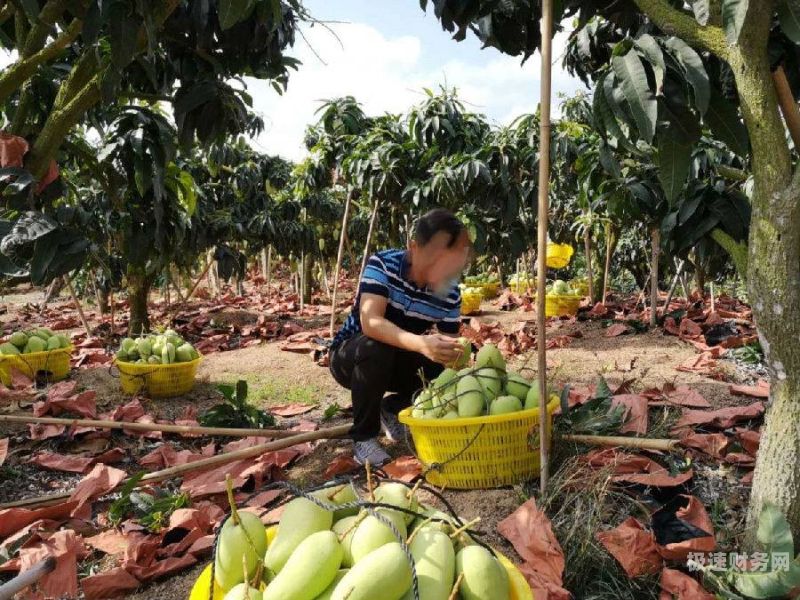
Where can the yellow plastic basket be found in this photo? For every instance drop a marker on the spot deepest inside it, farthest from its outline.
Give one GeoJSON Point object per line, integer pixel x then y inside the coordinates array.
{"type": "Point", "coordinates": [158, 381]}
{"type": "Point", "coordinates": [479, 452]}
{"type": "Point", "coordinates": [561, 306]}
{"type": "Point", "coordinates": [520, 286]}
{"type": "Point", "coordinates": [47, 366]}
{"type": "Point", "coordinates": [471, 303]}
{"type": "Point", "coordinates": [490, 290]}
{"type": "Point", "coordinates": [558, 255]}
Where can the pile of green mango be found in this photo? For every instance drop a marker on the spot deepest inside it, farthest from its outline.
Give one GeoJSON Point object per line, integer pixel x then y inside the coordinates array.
{"type": "Point", "coordinates": [349, 554]}
{"type": "Point", "coordinates": [561, 288]}
{"type": "Point", "coordinates": [482, 279]}
{"type": "Point", "coordinates": [40, 339]}
{"type": "Point", "coordinates": [156, 349]}
{"type": "Point", "coordinates": [485, 388]}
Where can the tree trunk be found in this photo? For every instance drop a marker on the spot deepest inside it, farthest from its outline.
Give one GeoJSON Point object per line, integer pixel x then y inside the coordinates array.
{"type": "Point", "coordinates": [587, 245]}
{"type": "Point", "coordinates": [105, 305]}
{"type": "Point", "coordinates": [611, 244]}
{"type": "Point", "coordinates": [700, 278]}
{"type": "Point", "coordinates": [773, 274]}
{"type": "Point", "coordinates": [138, 293]}
{"type": "Point", "coordinates": [308, 277]}
{"type": "Point", "coordinates": [655, 234]}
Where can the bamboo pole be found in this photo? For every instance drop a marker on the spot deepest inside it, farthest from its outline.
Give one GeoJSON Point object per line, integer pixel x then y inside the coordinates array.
{"type": "Point", "coordinates": [111, 306]}
{"type": "Point", "coordinates": [666, 445]}
{"type": "Point", "coordinates": [269, 271]}
{"type": "Point", "coordinates": [202, 464]}
{"type": "Point", "coordinates": [9, 589]}
{"type": "Point", "coordinates": [655, 234]}
{"type": "Point", "coordinates": [370, 231]}
{"type": "Point", "coordinates": [674, 284]}
{"type": "Point", "coordinates": [78, 306]}
{"type": "Point", "coordinates": [206, 270]}
{"type": "Point", "coordinates": [339, 255]}
{"type": "Point", "coordinates": [544, 190]}
{"type": "Point", "coordinates": [791, 113]}
{"type": "Point", "coordinates": [147, 427]}
{"type": "Point", "coordinates": [713, 299]}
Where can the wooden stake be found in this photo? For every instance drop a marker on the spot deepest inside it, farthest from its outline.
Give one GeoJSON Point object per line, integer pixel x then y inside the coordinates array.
{"type": "Point", "coordinates": [269, 271]}
{"type": "Point", "coordinates": [791, 113]}
{"type": "Point", "coordinates": [372, 219]}
{"type": "Point", "coordinates": [546, 24]}
{"type": "Point", "coordinates": [339, 255]}
{"type": "Point", "coordinates": [163, 427]}
{"type": "Point", "coordinates": [199, 465]}
{"type": "Point", "coordinates": [78, 306]}
{"type": "Point", "coordinates": [655, 234]}
{"type": "Point", "coordinates": [665, 445]}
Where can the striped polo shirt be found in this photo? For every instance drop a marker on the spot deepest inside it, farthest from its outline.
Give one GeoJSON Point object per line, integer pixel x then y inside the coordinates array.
{"type": "Point", "coordinates": [409, 306]}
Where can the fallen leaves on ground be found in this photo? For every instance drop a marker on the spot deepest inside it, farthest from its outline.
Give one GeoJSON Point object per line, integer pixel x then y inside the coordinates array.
{"type": "Point", "coordinates": [721, 418]}
{"type": "Point", "coordinates": [339, 465]}
{"type": "Point", "coordinates": [760, 390]}
{"type": "Point", "coordinates": [404, 468]}
{"type": "Point", "coordinates": [66, 547]}
{"type": "Point", "coordinates": [681, 529]}
{"type": "Point", "coordinates": [635, 417]}
{"type": "Point", "coordinates": [634, 547]}
{"type": "Point", "coordinates": [291, 410]}
{"type": "Point", "coordinates": [634, 468]}
{"type": "Point", "coordinates": [530, 532]}
{"type": "Point", "coordinates": [100, 481]}
{"type": "Point", "coordinates": [616, 330]}
{"type": "Point", "coordinates": [676, 585]}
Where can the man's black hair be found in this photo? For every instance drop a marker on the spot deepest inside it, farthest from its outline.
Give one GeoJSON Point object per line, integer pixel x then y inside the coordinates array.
{"type": "Point", "coordinates": [434, 221]}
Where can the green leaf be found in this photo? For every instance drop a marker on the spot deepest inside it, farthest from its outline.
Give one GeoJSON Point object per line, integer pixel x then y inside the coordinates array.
{"type": "Point", "coordinates": [760, 585]}
{"type": "Point", "coordinates": [241, 390]}
{"type": "Point", "coordinates": [700, 10]}
{"type": "Point", "coordinates": [694, 70]}
{"type": "Point", "coordinates": [789, 18]}
{"type": "Point", "coordinates": [630, 71]}
{"type": "Point", "coordinates": [652, 52]}
{"type": "Point", "coordinates": [678, 120]}
{"type": "Point", "coordinates": [674, 159]}
{"type": "Point", "coordinates": [733, 15]}
{"type": "Point", "coordinates": [31, 9]}
{"type": "Point", "coordinates": [723, 120]}
{"type": "Point", "coordinates": [233, 11]}
{"type": "Point", "coordinates": [123, 30]}
{"type": "Point", "coordinates": [773, 531]}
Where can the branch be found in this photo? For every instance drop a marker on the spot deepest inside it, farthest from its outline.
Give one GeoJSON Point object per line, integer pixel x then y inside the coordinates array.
{"type": "Point", "coordinates": [6, 13]}
{"type": "Point", "coordinates": [732, 173]}
{"type": "Point", "coordinates": [147, 97]}
{"type": "Point", "coordinates": [681, 24]}
{"type": "Point", "coordinates": [46, 20]}
{"type": "Point", "coordinates": [736, 250]}
{"type": "Point", "coordinates": [18, 73]}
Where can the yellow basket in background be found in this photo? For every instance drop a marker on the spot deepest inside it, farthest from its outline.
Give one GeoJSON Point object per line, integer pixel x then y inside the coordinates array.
{"type": "Point", "coordinates": [490, 290]}
{"type": "Point", "coordinates": [158, 381]}
{"type": "Point", "coordinates": [520, 285]}
{"type": "Point", "coordinates": [479, 452]}
{"type": "Point", "coordinates": [581, 286]}
{"type": "Point", "coordinates": [558, 255]}
{"type": "Point", "coordinates": [471, 303]}
{"type": "Point", "coordinates": [561, 306]}
{"type": "Point", "coordinates": [50, 365]}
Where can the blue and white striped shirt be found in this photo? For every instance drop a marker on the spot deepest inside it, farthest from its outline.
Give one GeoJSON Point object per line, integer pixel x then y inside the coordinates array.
{"type": "Point", "coordinates": [410, 307]}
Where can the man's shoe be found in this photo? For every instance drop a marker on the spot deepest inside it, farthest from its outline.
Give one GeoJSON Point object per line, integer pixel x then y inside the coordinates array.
{"type": "Point", "coordinates": [370, 451]}
{"type": "Point", "coordinates": [392, 427]}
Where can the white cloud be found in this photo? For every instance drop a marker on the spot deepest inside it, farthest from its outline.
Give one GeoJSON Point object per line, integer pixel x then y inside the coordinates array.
{"type": "Point", "coordinates": [387, 75]}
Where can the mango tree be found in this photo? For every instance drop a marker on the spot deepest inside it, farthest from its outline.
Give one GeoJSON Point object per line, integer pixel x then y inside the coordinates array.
{"type": "Point", "coordinates": [739, 42]}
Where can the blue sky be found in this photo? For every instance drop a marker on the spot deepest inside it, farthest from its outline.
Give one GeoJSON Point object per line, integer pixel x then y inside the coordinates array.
{"type": "Point", "coordinates": [386, 51]}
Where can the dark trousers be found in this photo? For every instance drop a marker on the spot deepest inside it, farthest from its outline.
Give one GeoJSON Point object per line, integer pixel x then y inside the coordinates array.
{"type": "Point", "coordinates": [369, 369]}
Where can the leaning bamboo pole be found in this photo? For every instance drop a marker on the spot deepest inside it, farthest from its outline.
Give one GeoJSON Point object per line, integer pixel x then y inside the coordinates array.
{"type": "Point", "coordinates": [655, 234]}
{"type": "Point", "coordinates": [202, 464]}
{"type": "Point", "coordinates": [78, 306]}
{"type": "Point", "coordinates": [789, 108]}
{"type": "Point", "coordinates": [339, 256]}
{"type": "Point", "coordinates": [149, 427]}
{"type": "Point", "coordinates": [370, 232]}
{"type": "Point", "coordinates": [26, 579]}
{"type": "Point", "coordinates": [665, 445]}
{"type": "Point", "coordinates": [544, 190]}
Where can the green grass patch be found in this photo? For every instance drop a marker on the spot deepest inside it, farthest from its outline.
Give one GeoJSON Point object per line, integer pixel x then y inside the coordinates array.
{"type": "Point", "coordinates": [267, 390]}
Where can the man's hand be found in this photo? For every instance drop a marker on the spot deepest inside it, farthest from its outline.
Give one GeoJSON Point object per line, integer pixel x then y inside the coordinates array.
{"type": "Point", "coordinates": [439, 348]}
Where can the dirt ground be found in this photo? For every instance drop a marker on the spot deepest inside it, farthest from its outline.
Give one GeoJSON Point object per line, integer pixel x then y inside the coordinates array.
{"type": "Point", "coordinates": [276, 376]}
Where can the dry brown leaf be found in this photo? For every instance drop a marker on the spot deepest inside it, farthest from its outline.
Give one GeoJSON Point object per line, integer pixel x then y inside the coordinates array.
{"type": "Point", "coordinates": [634, 548]}
{"type": "Point", "coordinates": [113, 583]}
{"type": "Point", "coordinates": [676, 585]}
